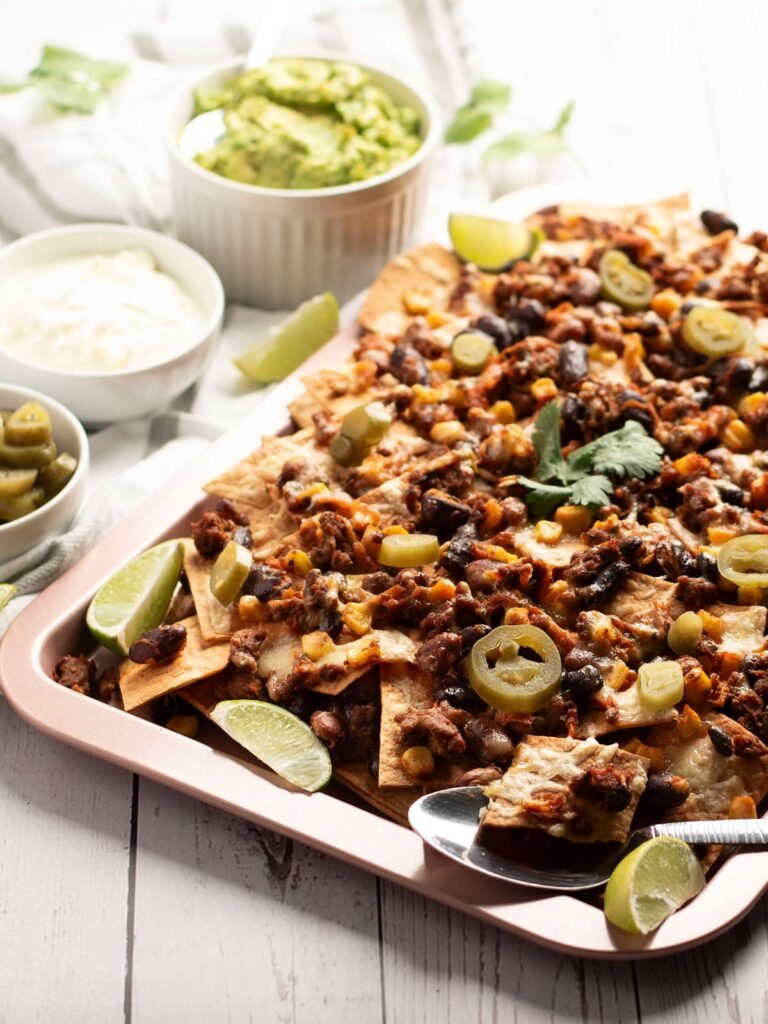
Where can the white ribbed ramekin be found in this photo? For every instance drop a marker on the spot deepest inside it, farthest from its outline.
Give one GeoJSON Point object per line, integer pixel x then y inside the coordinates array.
{"type": "Point", "coordinates": [274, 248]}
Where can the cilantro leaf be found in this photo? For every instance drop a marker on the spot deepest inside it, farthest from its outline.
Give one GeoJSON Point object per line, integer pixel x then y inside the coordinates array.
{"type": "Point", "coordinates": [70, 80]}
{"type": "Point", "coordinates": [544, 145]}
{"type": "Point", "coordinates": [592, 491]}
{"type": "Point", "coordinates": [542, 498]}
{"type": "Point", "coordinates": [486, 99]}
{"type": "Point", "coordinates": [546, 442]}
{"type": "Point", "coordinates": [627, 452]}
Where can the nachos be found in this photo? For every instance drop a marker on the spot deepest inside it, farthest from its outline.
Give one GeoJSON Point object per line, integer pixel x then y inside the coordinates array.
{"type": "Point", "coordinates": [520, 540]}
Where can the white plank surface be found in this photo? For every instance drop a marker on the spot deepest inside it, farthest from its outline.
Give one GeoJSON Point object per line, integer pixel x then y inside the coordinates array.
{"type": "Point", "coordinates": [204, 918]}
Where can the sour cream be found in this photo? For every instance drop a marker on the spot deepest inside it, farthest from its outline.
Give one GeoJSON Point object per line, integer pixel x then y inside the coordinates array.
{"type": "Point", "coordinates": [96, 313]}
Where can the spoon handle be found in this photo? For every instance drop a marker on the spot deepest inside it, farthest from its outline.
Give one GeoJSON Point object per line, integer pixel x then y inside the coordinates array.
{"type": "Point", "coordinates": [268, 32]}
{"type": "Point", "coordinates": [753, 831]}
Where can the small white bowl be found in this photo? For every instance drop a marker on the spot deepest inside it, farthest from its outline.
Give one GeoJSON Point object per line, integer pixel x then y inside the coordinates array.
{"type": "Point", "coordinates": [56, 515]}
{"type": "Point", "coordinates": [275, 247]}
{"type": "Point", "coordinates": [99, 398]}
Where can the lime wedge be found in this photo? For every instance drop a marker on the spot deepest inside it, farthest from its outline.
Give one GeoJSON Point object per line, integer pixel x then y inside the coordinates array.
{"type": "Point", "coordinates": [292, 341]}
{"type": "Point", "coordinates": [651, 883]}
{"type": "Point", "coordinates": [136, 598]}
{"type": "Point", "coordinates": [490, 244]}
{"type": "Point", "coordinates": [7, 590]}
{"type": "Point", "coordinates": [278, 738]}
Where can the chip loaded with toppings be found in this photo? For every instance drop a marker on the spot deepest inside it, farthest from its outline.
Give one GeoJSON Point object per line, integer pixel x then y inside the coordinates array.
{"type": "Point", "coordinates": [520, 540]}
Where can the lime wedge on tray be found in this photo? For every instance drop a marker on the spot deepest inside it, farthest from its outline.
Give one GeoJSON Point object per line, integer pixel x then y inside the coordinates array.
{"type": "Point", "coordinates": [489, 243]}
{"type": "Point", "coordinates": [278, 738]}
{"type": "Point", "coordinates": [651, 883]}
{"type": "Point", "coordinates": [292, 341]}
{"type": "Point", "coordinates": [136, 598]}
{"type": "Point", "coordinates": [7, 590]}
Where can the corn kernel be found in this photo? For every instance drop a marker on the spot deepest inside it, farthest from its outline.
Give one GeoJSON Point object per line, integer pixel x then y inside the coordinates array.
{"type": "Point", "coordinates": [447, 432]}
{"type": "Point", "coordinates": [692, 464]}
{"type": "Point", "coordinates": [750, 595]}
{"type": "Point", "coordinates": [617, 677]}
{"type": "Point", "coordinates": [498, 554]}
{"type": "Point", "coordinates": [696, 685]}
{"type": "Point", "coordinates": [751, 403]}
{"type": "Point", "coordinates": [250, 609]}
{"type": "Point", "coordinates": [418, 762]}
{"type": "Point", "coordinates": [298, 562]}
{"type": "Point", "coordinates": [516, 617]}
{"type": "Point", "coordinates": [416, 302]}
{"type": "Point", "coordinates": [660, 514]}
{"type": "Point", "coordinates": [758, 491]}
{"type": "Point", "coordinates": [739, 437]}
{"type": "Point", "coordinates": [720, 534]}
{"type": "Point", "coordinates": [634, 351]}
{"type": "Point", "coordinates": [442, 366]}
{"type": "Point", "coordinates": [185, 725]}
{"type": "Point", "coordinates": [423, 395]}
{"type": "Point", "coordinates": [389, 531]}
{"type": "Point", "coordinates": [654, 754]}
{"type": "Point", "coordinates": [438, 318]}
{"type": "Point", "coordinates": [602, 355]}
{"type": "Point", "coordinates": [688, 722]}
{"type": "Point", "coordinates": [492, 515]}
{"type": "Point", "coordinates": [666, 303]}
{"type": "Point", "coordinates": [311, 490]}
{"type": "Point", "coordinates": [441, 590]}
{"type": "Point", "coordinates": [742, 807]}
{"type": "Point", "coordinates": [316, 644]}
{"type": "Point", "coordinates": [544, 389]}
{"type": "Point", "coordinates": [503, 411]}
{"type": "Point", "coordinates": [730, 662]}
{"type": "Point", "coordinates": [573, 518]}
{"type": "Point", "coordinates": [547, 532]}
{"type": "Point", "coordinates": [357, 616]}
{"type": "Point", "coordinates": [713, 624]}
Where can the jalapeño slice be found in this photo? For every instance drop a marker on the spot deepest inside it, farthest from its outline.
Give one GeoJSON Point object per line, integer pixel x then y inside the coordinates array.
{"type": "Point", "coordinates": [714, 332]}
{"type": "Point", "coordinates": [507, 679]}
{"type": "Point", "coordinates": [623, 282]}
{"type": "Point", "coordinates": [471, 350]}
{"type": "Point", "coordinates": [744, 560]}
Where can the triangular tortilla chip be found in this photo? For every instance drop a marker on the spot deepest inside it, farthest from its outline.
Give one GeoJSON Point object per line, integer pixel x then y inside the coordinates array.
{"type": "Point", "coordinates": [430, 270]}
{"type": "Point", "coordinates": [403, 687]}
{"type": "Point", "coordinates": [648, 600]}
{"type": "Point", "coordinates": [394, 803]}
{"type": "Point", "coordinates": [334, 671]}
{"type": "Point", "coordinates": [216, 621]}
{"type": "Point", "coordinates": [197, 660]}
{"type": "Point", "coordinates": [714, 779]}
{"type": "Point", "coordinates": [624, 712]}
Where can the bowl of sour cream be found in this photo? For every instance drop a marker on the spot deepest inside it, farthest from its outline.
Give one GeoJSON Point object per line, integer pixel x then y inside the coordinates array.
{"type": "Point", "coordinates": [111, 320]}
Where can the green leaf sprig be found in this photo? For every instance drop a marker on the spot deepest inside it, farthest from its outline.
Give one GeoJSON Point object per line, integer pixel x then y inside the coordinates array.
{"type": "Point", "coordinates": [487, 99]}
{"type": "Point", "coordinates": [583, 478]}
{"type": "Point", "coordinates": [544, 145]}
{"type": "Point", "coordinates": [69, 80]}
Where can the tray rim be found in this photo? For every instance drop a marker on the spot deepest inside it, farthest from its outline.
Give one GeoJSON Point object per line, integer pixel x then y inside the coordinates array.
{"type": "Point", "coordinates": [354, 834]}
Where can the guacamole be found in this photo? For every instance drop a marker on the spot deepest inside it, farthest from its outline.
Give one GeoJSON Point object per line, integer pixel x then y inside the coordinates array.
{"type": "Point", "coordinates": [299, 123]}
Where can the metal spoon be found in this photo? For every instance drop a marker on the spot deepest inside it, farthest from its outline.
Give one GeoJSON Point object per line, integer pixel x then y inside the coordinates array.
{"type": "Point", "coordinates": [205, 131]}
{"type": "Point", "coordinates": [448, 821]}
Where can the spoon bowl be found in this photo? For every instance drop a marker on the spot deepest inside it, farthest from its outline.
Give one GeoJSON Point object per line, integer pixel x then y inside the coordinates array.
{"type": "Point", "coordinates": [448, 821]}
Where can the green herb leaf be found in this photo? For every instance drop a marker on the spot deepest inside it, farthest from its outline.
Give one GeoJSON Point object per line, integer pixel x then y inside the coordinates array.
{"type": "Point", "coordinates": [542, 498]}
{"type": "Point", "coordinates": [8, 87]}
{"type": "Point", "coordinates": [543, 145]}
{"type": "Point", "coordinates": [467, 124]}
{"type": "Point", "coordinates": [550, 463]}
{"type": "Point", "coordinates": [71, 80]}
{"type": "Point", "coordinates": [592, 491]}
{"type": "Point", "coordinates": [492, 95]}
{"type": "Point", "coordinates": [487, 99]}
{"type": "Point", "coordinates": [629, 451]}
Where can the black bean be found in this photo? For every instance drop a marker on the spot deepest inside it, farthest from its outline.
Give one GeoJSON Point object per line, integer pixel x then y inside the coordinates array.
{"type": "Point", "coordinates": [729, 492]}
{"type": "Point", "coordinates": [721, 741]}
{"type": "Point", "coordinates": [242, 535]}
{"type": "Point", "coordinates": [495, 327]}
{"type": "Point", "coordinates": [666, 789]}
{"type": "Point", "coordinates": [532, 314]}
{"type": "Point", "coordinates": [572, 361]}
{"type": "Point", "coordinates": [688, 306]}
{"type": "Point", "coordinates": [458, 696]}
{"type": "Point", "coordinates": [263, 582]}
{"type": "Point", "coordinates": [759, 378]}
{"type": "Point", "coordinates": [460, 552]}
{"type": "Point", "coordinates": [471, 634]}
{"type": "Point", "coordinates": [639, 415]}
{"type": "Point", "coordinates": [715, 222]}
{"type": "Point", "coordinates": [618, 799]}
{"type": "Point", "coordinates": [706, 567]}
{"type": "Point", "coordinates": [582, 682]}
{"type": "Point", "coordinates": [442, 512]}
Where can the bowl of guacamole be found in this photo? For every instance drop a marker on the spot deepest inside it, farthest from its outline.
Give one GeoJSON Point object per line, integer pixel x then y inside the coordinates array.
{"type": "Point", "coordinates": [303, 123]}
{"type": "Point", "coordinates": [318, 180]}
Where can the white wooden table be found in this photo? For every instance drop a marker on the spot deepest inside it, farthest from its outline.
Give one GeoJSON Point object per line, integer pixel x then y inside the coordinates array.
{"type": "Point", "coordinates": [124, 901]}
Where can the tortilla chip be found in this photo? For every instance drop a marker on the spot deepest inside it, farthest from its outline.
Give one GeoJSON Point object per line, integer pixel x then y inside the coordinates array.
{"type": "Point", "coordinates": [430, 269]}
{"type": "Point", "coordinates": [197, 660]}
{"type": "Point", "coordinates": [403, 687]}
{"type": "Point", "coordinates": [647, 600]}
{"type": "Point", "coordinates": [353, 659]}
{"type": "Point", "coordinates": [394, 803]}
{"type": "Point", "coordinates": [202, 696]}
{"type": "Point", "coordinates": [558, 556]}
{"type": "Point", "coordinates": [216, 621]}
{"type": "Point", "coordinates": [536, 791]}
{"type": "Point", "coordinates": [714, 779]}
{"type": "Point", "coordinates": [303, 408]}
{"type": "Point", "coordinates": [743, 627]}
{"type": "Point", "coordinates": [254, 479]}
{"type": "Point", "coordinates": [624, 711]}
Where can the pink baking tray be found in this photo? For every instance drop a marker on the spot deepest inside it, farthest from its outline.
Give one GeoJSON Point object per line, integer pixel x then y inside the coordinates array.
{"type": "Point", "coordinates": [333, 822]}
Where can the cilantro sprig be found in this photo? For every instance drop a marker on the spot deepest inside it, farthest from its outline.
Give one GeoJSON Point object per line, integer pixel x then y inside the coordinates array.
{"type": "Point", "coordinates": [69, 80]}
{"type": "Point", "coordinates": [486, 99]}
{"type": "Point", "coordinates": [584, 478]}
